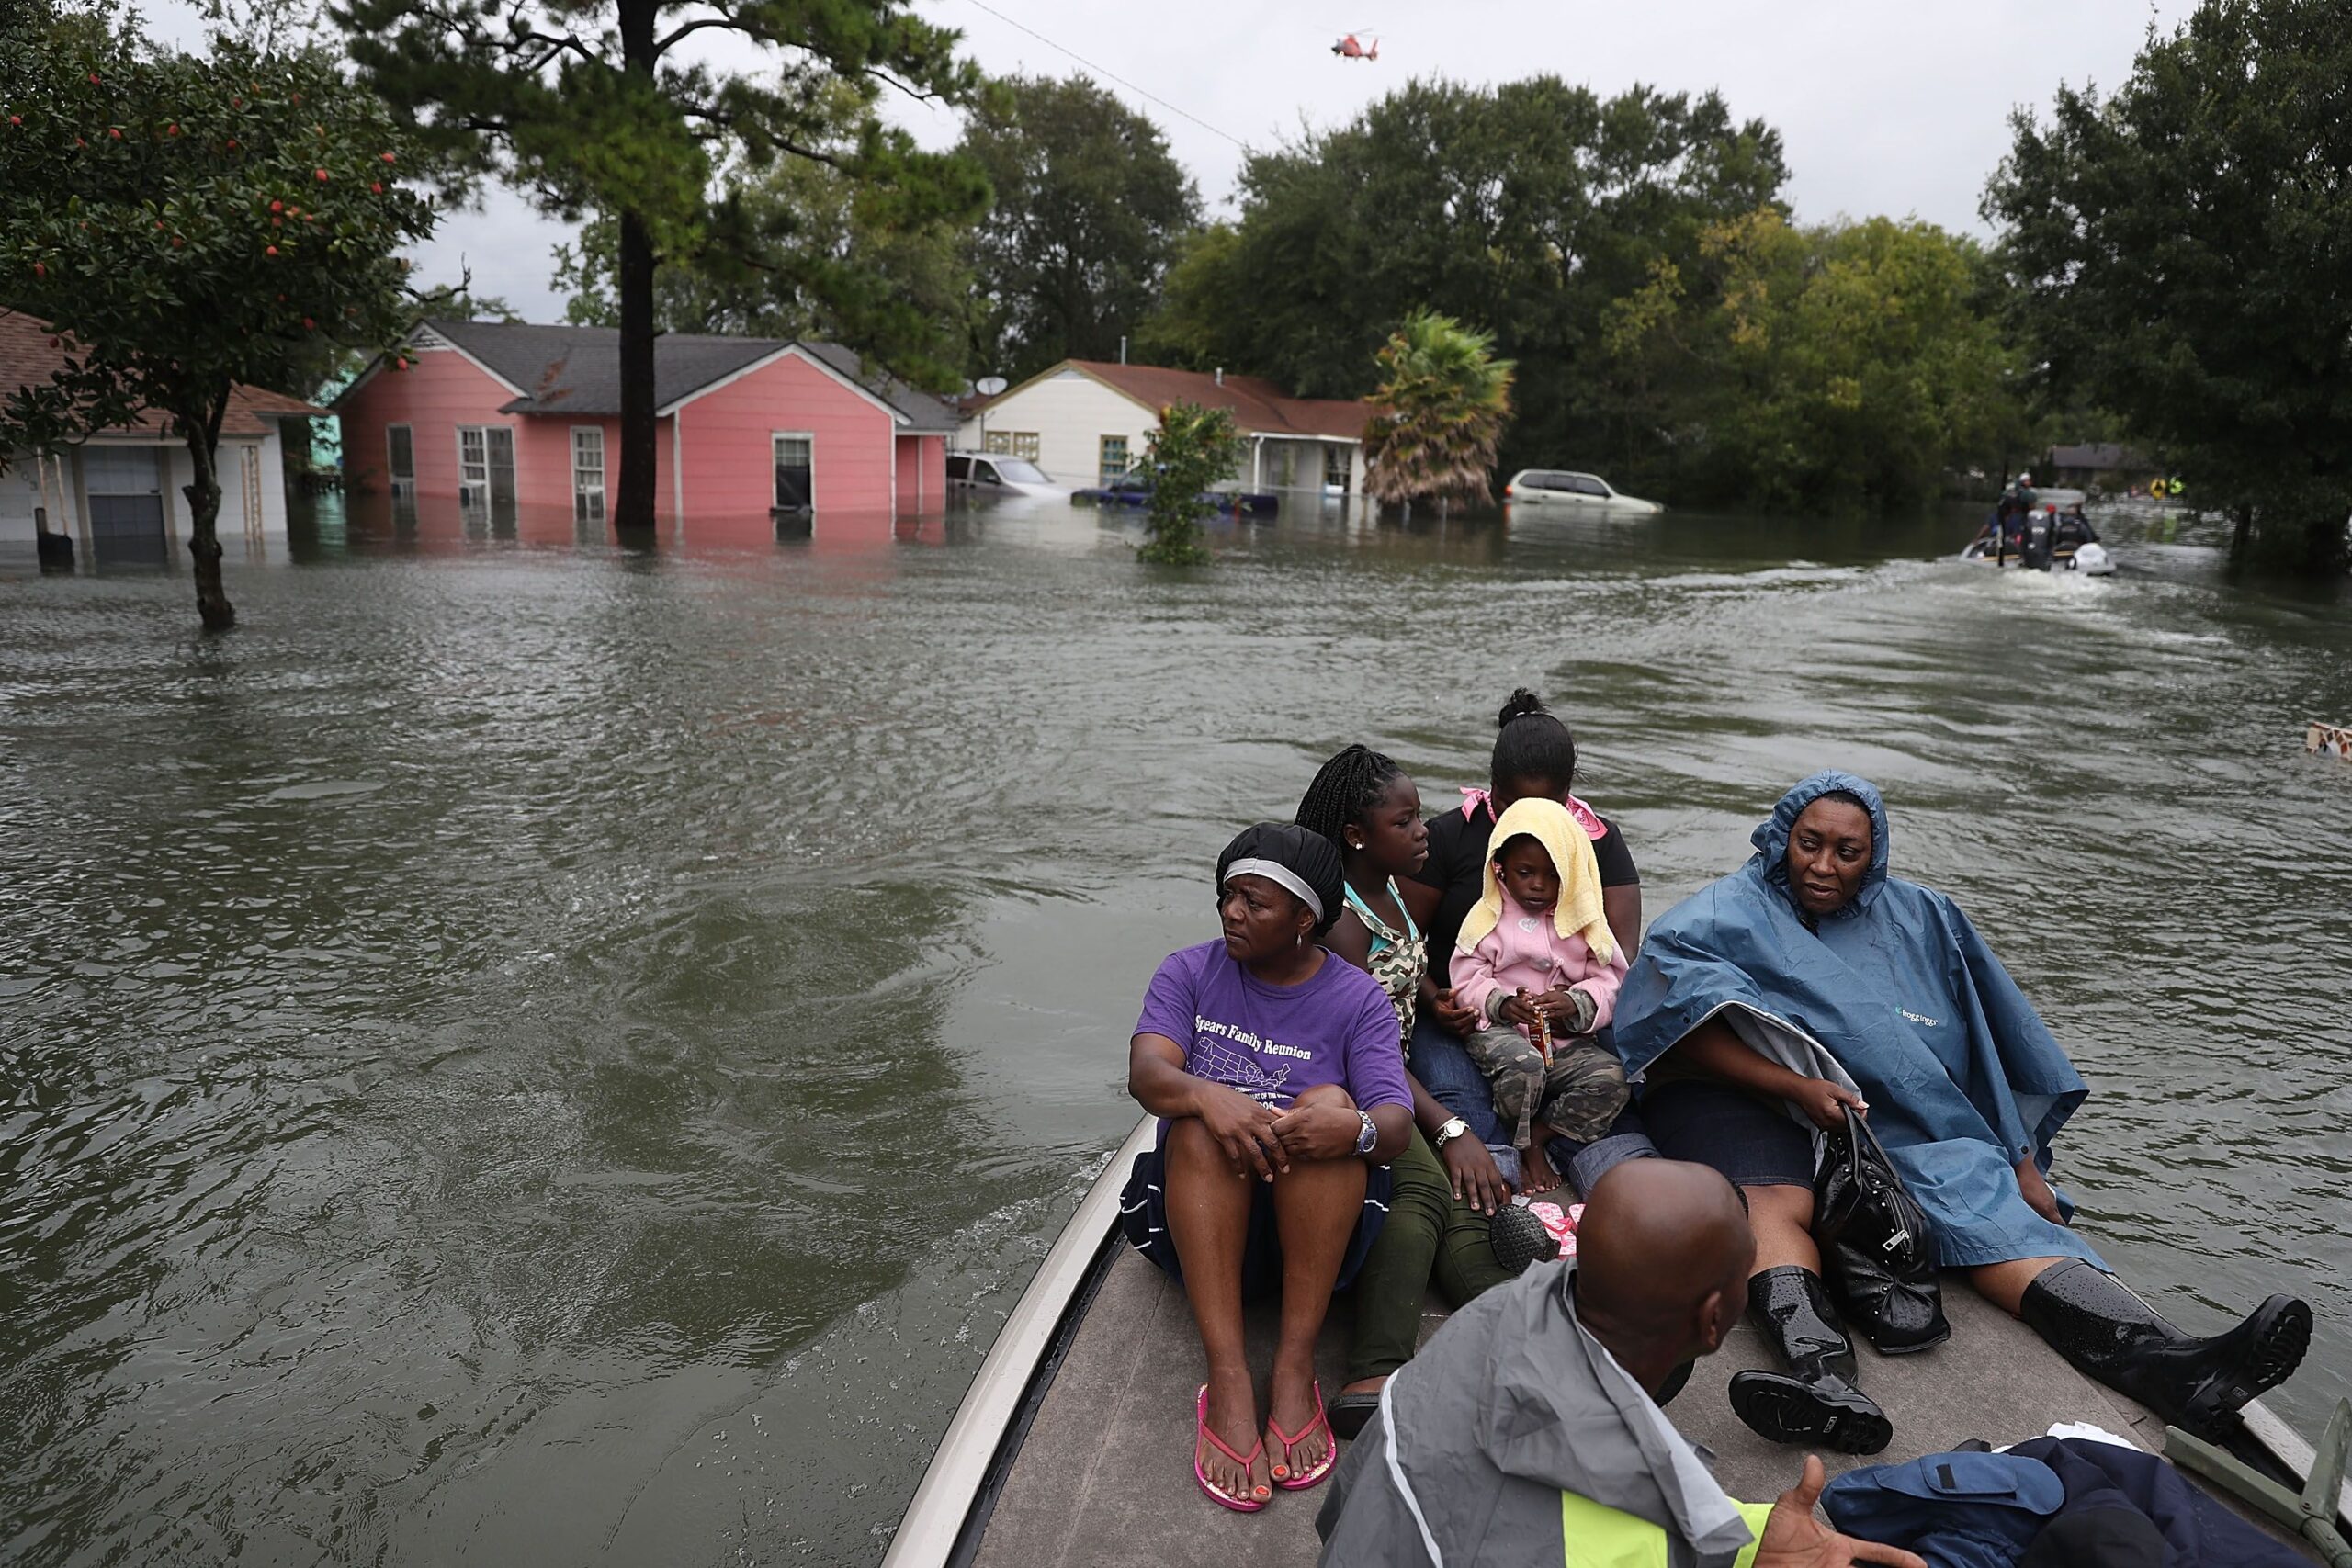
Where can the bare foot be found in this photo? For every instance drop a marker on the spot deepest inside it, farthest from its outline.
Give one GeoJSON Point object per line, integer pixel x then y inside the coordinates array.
{"type": "Point", "coordinates": [1535, 1173]}
{"type": "Point", "coordinates": [1233, 1417]}
{"type": "Point", "coordinates": [1290, 1405]}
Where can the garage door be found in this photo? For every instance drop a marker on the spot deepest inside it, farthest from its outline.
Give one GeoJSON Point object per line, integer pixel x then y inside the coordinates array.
{"type": "Point", "coordinates": [126, 490]}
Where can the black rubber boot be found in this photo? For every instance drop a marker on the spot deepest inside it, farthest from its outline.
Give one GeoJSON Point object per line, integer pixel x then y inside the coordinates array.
{"type": "Point", "coordinates": [1817, 1403]}
{"type": "Point", "coordinates": [2093, 1320]}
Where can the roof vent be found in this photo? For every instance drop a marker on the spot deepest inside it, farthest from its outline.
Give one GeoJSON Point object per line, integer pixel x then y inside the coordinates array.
{"type": "Point", "coordinates": [424, 340]}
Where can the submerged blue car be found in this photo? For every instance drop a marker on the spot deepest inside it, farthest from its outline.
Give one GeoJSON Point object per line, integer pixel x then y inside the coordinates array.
{"type": "Point", "coordinates": [1134, 488]}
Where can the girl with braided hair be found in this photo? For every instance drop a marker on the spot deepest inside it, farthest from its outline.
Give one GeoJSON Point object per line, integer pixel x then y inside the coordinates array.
{"type": "Point", "coordinates": [1444, 1198]}
{"type": "Point", "coordinates": [1362, 802]}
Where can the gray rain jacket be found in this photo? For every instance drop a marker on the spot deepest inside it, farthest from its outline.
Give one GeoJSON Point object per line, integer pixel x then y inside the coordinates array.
{"type": "Point", "coordinates": [1510, 1406]}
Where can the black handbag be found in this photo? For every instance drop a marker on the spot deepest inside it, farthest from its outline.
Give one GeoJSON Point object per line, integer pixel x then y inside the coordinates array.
{"type": "Point", "coordinates": [1878, 1252]}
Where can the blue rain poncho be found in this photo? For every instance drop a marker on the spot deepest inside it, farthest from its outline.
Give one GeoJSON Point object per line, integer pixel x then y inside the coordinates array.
{"type": "Point", "coordinates": [1895, 996]}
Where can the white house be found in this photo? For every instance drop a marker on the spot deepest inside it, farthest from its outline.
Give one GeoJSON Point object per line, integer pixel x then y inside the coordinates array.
{"type": "Point", "coordinates": [1084, 422]}
{"type": "Point", "coordinates": [119, 494]}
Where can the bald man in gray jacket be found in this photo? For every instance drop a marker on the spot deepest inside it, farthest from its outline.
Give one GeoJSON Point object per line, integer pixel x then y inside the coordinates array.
{"type": "Point", "coordinates": [1528, 1422]}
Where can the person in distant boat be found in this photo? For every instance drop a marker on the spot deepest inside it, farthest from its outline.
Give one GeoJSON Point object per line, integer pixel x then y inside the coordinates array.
{"type": "Point", "coordinates": [1275, 1069]}
{"type": "Point", "coordinates": [1528, 1429]}
{"type": "Point", "coordinates": [1437, 1225]}
{"type": "Point", "coordinates": [2075, 529]}
{"type": "Point", "coordinates": [1534, 757]}
{"type": "Point", "coordinates": [1811, 980]}
{"type": "Point", "coordinates": [1536, 961]}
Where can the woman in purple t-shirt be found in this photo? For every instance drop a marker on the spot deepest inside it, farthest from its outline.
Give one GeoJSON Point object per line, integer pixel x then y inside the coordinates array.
{"type": "Point", "coordinates": [1277, 1070]}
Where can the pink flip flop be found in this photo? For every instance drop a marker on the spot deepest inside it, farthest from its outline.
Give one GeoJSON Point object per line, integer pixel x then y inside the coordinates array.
{"type": "Point", "coordinates": [1201, 1477]}
{"type": "Point", "coordinates": [1330, 1447]}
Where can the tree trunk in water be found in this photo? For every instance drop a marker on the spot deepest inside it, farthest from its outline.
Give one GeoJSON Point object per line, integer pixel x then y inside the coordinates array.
{"type": "Point", "coordinates": [633, 496]}
{"type": "Point", "coordinates": [212, 605]}
{"type": "Point", "coordinates": [633, 505]}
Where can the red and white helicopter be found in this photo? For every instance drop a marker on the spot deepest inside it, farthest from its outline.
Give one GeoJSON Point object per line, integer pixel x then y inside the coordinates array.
{"type": "Point", "coordinates": [1358, 46]}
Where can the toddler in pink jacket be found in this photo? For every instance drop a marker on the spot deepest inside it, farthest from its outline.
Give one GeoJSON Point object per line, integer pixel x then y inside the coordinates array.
{"type": "Point", "coordinates": [1537, 962]}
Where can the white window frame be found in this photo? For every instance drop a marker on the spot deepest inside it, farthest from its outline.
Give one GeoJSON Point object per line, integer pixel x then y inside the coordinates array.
{"type": "Point", "coordinates": [588, 500]}
{"type": "Point", "coordinates": [1104, 472]}
{"type": "Point", "coordinates": [777, 439]}
{"type": "Point", "coordinates": [392, 462]}
{"type": "Point", "coordinates": [1344, 457]}
{"type": "Point", "coordinates": [472, 490]}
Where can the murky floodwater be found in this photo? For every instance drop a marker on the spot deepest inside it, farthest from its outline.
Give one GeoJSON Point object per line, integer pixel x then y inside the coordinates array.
{"type": "Point", "coordinates": [539, 1055]}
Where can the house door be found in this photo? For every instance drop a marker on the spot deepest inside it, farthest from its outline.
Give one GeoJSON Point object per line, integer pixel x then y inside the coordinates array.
{"type": "Point", "coordinates": [502, 468]}
{"type": "Point", "coordinates": [126, 490]}
{"type": "Point", "coordinates": [796, 473]}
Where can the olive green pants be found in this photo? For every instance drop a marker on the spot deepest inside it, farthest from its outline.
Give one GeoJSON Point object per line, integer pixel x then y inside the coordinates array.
{"type": "Point", "coordinates": [1428, 1236]}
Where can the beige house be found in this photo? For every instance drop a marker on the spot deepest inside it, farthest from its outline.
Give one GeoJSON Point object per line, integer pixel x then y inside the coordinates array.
{"type": "Point", "coordinates": [1084, 422]}
{"type": "Point", "coordinates": [118, 496]}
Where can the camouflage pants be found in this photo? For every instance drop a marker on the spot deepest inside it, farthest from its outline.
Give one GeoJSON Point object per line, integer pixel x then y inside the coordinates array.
{"type": "Point", "coordinates": [1577, 1094]}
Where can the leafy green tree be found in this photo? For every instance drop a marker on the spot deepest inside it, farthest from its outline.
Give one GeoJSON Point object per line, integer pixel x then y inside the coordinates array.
{"type": "Point", "coordinates": [600, 107]}
{"type": "Point", "coordinates": [808, 248]}
{"type": "Point", "coordinates": [1531, 204]}
{"type": "Point", "coordinates": [1090, 207]}
{"type": "Point", "coordinates": [187, 224]}
{"type": "Point", "coordinates": [2186, 246]}
{"type": "Point", "coordinates": [1191, 449]}
{"type": "Point", "coordinates": [1849, 364]}
{"type": "Point", "coordinates": [1447, 400]}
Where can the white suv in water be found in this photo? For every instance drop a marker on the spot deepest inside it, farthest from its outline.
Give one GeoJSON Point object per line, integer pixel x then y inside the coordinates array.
{"type": "Point", "coordinates": [996, 474]}
{"type": "Point", "coordinates": [1556, 487]}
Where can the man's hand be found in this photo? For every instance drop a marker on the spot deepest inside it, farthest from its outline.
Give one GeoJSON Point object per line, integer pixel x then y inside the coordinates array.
{"type": "Point", "coordinates": [1824, 1102]}
{"type": "Point", "coordinates": [1794, 1538]}
{"type": "Point", "coordinates": [2036, 1188]}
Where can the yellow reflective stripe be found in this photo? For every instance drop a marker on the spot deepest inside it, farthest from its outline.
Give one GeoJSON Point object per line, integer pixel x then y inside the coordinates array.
{"type": "Point", "coordinates": [1755, 1514]}
{"type": "Point", "coordinates": [1594, 1536]}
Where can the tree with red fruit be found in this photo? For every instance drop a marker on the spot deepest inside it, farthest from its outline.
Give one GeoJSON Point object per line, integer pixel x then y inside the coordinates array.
{"type": "Point", "coordinates": [613, 108]}
{"type": "Point", "coordinates": [153, 254]}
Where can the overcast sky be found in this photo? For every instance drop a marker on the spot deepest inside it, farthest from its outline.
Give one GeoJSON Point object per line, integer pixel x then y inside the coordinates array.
{"type": "Point", "coordinates": [1895, 109]}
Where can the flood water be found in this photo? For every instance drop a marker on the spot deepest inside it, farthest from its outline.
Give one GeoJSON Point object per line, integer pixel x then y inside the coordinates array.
{"type": "Point", "coordinates": [542, 1054]}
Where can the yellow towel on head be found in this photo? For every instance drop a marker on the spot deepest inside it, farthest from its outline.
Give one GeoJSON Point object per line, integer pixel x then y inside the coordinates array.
{"type": "Point", "coordinates": [1579, 910]}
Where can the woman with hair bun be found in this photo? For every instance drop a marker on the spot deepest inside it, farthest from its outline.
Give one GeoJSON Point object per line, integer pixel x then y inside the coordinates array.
{"type": "Point", "coordinates": [1534, 757]}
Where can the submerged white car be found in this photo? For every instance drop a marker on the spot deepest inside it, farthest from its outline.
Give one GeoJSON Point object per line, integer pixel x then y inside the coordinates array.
{"type": "Point", "coordinates": [1557, 487]}
{"type": "Point", "coordinates": [995, 474]}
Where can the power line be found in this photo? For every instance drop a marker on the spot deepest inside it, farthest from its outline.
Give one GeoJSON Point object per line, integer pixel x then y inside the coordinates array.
{"type": "Point", "coordinates": [1114, 75]}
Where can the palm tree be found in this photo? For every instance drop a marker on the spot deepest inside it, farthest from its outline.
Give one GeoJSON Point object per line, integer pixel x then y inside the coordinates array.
{"type": "Point", "coordinates": [1445, 401]}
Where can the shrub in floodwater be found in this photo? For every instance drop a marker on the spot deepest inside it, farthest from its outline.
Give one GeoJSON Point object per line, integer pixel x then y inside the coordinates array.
{"type": "Point", "coordinates": [1193, 448]}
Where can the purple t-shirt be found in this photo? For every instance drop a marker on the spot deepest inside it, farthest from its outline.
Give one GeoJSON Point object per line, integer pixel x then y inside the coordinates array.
{"type": "Point", "coordinates": [1273, 1042]}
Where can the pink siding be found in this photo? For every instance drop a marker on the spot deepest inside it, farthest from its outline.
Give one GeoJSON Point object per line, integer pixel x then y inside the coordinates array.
{"type": "Point", "coordinates": [440, 390]}
{"type": "Point", "coordinates": [922, 475]}
{"type": "Point", "coordinates": [436, 393]}
{"type": "Point", "coordinates": [729, 449]}
{"type": "Point", "coordinates": [862, 464]}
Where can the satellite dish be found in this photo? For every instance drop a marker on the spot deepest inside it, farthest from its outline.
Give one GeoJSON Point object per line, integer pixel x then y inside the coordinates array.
{"type": "Point", "coordinates": [990, 386]}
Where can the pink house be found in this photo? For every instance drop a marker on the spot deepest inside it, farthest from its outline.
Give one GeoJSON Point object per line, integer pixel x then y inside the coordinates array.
{"type": "Point", "coordinates": [506, 417]}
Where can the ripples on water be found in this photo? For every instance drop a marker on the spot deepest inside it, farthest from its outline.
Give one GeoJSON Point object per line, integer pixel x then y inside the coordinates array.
{"type": "Point", "coordinates": [552, 1054]}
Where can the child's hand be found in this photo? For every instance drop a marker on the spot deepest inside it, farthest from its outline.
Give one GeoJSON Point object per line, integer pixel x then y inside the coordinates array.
{"type": "Point", "coordinates": [1521, 1010]}
{"type": "Point", "coordinates": [1571, 1012]}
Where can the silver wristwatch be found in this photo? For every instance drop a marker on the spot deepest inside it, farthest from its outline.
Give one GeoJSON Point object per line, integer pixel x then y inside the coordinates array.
{"type": "Point", "coordinates": [1369, 1136]}
{"type": "Point", "coordinates": [1450, 1132]}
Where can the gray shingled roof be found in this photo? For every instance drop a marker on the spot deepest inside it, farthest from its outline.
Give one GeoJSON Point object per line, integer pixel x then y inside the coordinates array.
{"type": "Point", "coordinates": [576, 370]}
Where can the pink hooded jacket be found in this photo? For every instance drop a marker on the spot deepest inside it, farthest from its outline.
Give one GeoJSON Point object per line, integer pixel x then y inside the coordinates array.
{"type": "Point", "coordinates": [1527, 951]}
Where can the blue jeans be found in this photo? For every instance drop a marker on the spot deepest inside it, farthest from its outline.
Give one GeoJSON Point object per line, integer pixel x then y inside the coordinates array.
{"type": "Point", "coordinates": [1442, 1064]}
{"type": "Point", "coordinates": [1453, 1080]}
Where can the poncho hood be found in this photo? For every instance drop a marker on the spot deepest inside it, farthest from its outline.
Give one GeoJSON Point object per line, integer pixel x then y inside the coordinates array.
{"type": "Point", "coordinates": [1772, 836]}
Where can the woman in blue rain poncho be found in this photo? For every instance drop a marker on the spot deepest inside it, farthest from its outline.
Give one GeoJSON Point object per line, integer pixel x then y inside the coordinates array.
{"type": "Point", "coordinates": [1811, 979]}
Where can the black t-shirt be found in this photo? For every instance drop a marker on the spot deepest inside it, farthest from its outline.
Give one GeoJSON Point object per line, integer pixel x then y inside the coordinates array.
{"type": "Point", "coordinates": [1457, 869]}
